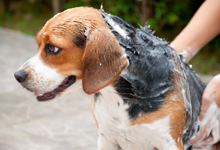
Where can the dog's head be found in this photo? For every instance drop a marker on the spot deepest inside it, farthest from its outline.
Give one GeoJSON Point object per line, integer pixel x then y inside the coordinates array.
{"type": "Point", "coordinates": [75, 48]}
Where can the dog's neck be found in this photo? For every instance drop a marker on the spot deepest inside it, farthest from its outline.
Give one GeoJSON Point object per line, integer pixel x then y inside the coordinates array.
{"type": "Point", "coordinates": [114, 122]}
{"type": "Point", "coordinates": [144, 83]}
{"type": "Point", "coordinates": [113, 104]}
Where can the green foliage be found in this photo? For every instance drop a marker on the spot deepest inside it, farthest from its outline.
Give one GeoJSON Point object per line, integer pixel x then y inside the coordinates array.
{"type": "Point", "coordinates": [172, 18]}
{"type": "Point", "coordinates": [72, 4]}
{"type": "Point", "coordinates": [206, 62]}
{"type": "Point", "coordinates": [168, 19]}
{"type": "Point", "coordinates": [122, 8]}
{"type": "Point", "coordinates": [27, 18]}
{"type": "Point", "coordinates": [168, 13]}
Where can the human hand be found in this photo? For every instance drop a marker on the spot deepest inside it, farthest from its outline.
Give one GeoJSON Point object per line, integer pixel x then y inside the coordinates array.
{"type": "Point", "coordinates": [209, 119]}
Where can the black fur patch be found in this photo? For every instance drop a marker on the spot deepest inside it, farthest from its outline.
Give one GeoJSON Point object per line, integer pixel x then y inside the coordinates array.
{"type": "Point", "coordinates": [148, 76]}
{"type": "Point", "coordinates": [96, 96]}
{"type": "Point", "coordinates": [80, 41]}
{"type": "Point", "coordinates": [196, 88]}
{"type": "Point", "coordinates": [137, 100]}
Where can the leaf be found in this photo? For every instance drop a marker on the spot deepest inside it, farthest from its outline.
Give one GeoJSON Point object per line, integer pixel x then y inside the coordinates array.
{"type": "Point", "coordinates": [172, 18]}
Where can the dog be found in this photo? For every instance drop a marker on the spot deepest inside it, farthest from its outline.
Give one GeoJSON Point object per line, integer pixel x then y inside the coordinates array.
{"type": "Point", "coordinates": [144, 97]}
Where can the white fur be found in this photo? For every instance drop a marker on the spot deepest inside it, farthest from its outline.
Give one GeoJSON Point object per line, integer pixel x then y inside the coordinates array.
{"type": "Point", "coordinates": [41, 78]}
{"type": "Point", "coordinates": [190, 66]}
{"type": "Point", "coordinates": [160, 93]}
{"type": "Point", "coordinates": [117, 28]}
{"type": "Point", "coordinates": [115, 131]}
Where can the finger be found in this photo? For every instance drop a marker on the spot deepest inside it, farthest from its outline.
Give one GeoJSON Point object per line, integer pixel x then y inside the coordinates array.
{"type": "Point", "coordinates": [207, 141]}
{"type": "Point", "coordinates": [200, 136]}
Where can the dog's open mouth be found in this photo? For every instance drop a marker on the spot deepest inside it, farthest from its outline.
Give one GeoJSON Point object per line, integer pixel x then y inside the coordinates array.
{"type": "Point", "coordinates": [67, 82]}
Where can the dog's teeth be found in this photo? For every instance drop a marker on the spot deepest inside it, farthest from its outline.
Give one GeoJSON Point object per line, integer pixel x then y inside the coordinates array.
{"type": "Point", "coordinates": [38, 94]}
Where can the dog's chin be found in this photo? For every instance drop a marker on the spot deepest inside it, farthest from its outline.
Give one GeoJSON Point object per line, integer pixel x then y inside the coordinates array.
{"type": "Point", "coordinates": [67, 82]}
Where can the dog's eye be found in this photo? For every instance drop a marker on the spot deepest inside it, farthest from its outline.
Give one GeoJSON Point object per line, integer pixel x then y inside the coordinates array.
{"type": "Point", "coordinates": [52, 49]}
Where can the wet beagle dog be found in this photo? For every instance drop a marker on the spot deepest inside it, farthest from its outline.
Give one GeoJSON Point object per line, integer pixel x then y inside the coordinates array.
{"type": "Point", "coordinates": [143, 96]}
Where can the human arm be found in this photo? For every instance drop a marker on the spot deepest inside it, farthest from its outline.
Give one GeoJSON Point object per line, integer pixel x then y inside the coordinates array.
{"type": "Point", "coordinates": [202, 28]}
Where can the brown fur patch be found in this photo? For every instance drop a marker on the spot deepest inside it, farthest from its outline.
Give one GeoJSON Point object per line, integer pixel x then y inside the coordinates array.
{"type": "Point", "coordinates": [216, 146]}
{"type": "Point", "coordinates": [102, 60]}
{"type": "Point", "coordinates": [173, 107]}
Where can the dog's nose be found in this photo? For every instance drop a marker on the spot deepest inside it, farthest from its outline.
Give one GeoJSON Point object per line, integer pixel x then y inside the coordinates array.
{"type": "Point", "coordinates": [20, 76]}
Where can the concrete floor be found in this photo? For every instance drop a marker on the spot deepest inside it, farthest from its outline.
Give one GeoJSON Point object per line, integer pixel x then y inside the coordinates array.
{"type": "Point", "coordinates": [25, 123]}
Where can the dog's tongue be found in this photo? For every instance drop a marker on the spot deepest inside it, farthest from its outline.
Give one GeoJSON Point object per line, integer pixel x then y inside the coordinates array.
{"type": "Point", "coordinates": [65, 81]}
{"type": "Point", "coordinates": [36, 94]}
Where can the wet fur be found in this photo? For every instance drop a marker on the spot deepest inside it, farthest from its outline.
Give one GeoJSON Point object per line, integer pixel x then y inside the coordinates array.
{"type": "Point", "coordinates": [149, 77]}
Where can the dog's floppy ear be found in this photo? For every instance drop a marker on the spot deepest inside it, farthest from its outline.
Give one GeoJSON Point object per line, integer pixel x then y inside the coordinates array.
{"type": "Point", "coordinates": [103, 60]}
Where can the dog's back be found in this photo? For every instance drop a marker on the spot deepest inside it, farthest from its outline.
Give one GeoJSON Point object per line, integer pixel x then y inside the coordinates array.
{"type": "Point", "coordinates": [152, 73]}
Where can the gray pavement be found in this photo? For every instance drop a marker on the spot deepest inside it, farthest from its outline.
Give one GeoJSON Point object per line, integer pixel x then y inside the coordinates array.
{"type": "Point", "coordinates": [25, 123]}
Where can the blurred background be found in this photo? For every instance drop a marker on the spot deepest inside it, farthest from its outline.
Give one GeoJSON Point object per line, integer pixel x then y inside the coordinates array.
{"type": "Point", "coordinates": [166, 17]}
